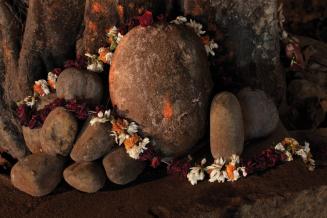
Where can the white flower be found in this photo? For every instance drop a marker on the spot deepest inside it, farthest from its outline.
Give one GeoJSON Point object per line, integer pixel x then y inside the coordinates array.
{"type": "Point", "coordinates": [243, 170]}
{"type": "Point", "coordinates": [215, 171]}
{"type": "Point", "coordinates": [217, 175]}
{"type": "Point", "coordinates": [30, 101]}
{"type": "Point", "coordinates": [311, 165]}
{"type": "Point", "coordinates": [302, 154]}
{"type": "Point", "coordinates": [134, 152]}
{"type": "Point", "coordinates": [94, 64]}
{"type": "Point", "coordinates": [279, 147]}
{"type": "Point", "coordinates": [210, 47]}
{"type": "Point", "coordinates": [132, 128]}
{"type": "Point", "coordinates": [217, 165]}
{"type": "Point", "coordinates": [289, 156]}
{"type": "Point", "coordinates": [119, 38]}
{"type": "Point", "coordinates": [108, 57]}
{"type": "Point", "coordinates": [203, 161]}
{"type": "Point", "coordinates": [113, 32]}
{"type": "Point", "coordinates": [197, 27]}
{"type": "Point", "coordinates": [196, 174]}
{"type": "Point", "coordinates": [121, 138]}
{"type": "Point", "coordinates": [44, 86]}
{"type": "Point", "coordinates": [235, 159]}
{"type": "Point", "coordinates": [144, 143]}
{"type": "Point", "coordinates": [53, 78]}
{"type": "Point", "coordinates": [101, 118]}
{"type": "Point", "coordinates": [179, 20]}
{"type": "Point", "coordinates": [137, 150]}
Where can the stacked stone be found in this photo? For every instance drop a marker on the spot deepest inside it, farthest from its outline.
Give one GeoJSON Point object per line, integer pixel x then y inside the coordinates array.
{"type": "Point", "coordinates": [91, 148]}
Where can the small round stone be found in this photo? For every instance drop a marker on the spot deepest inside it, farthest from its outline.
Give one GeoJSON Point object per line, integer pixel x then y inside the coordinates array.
{"type": "Point", "coordinates": [226, 126]}
{"type": "Point", "coordinates": [37, 174]}
{"type": "Point", "coordinates": [120, 168]}
{"type": "Point", "coordinates": [93, 143]}
{"type": "Point", "coordinates": [260, 113]}
{"type": "Point", "coordinates": [32, 139]}
{"type": "Point", "coordinates": [86, 176]}
{"type": "Point", "coordinates": [81, 85]}
{"type": "Point", "coordinates": [58, 132]}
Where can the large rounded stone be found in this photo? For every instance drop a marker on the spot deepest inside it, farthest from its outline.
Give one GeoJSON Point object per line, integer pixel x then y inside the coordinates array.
{"type": "Point", "coordinates": [260, 113]}
{"type": "Point", "coordinates": [58, 132]}
{"type": "Point", "coordinates": [81, 85]}
{"type": "Point", "coordinates": [86, 176]}
{"type": "Point", "coordinates": [226, 126]}
{"type": "Point", "coordinates": [120, 168]}
{"type": "Point", "coordinates": [32, 139]}
{"type": "Point", "coordinates": [37, 174]}
{"type": "Point", "coordinates": [160, 78]}
{"type": "Point", "coordinates": [93, 143]}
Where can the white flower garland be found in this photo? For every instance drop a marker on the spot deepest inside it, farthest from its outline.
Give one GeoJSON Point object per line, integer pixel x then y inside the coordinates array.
{"type": "Point", "coordinates": [222, 170]}
{"type": "Point", "coordinates": [197, 27]}
{"type": "Point", "coordinates": [124, 132]}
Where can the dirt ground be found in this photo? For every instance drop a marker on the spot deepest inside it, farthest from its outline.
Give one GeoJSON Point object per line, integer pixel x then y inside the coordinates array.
{"type": "Point", "coordinates": [288, 190]}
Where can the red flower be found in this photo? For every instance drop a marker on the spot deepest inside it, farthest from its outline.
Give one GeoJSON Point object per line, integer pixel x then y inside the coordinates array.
{"type": "Point", "coordinates": [179, 167]}
{"type": "Point", "coordinates": [155, 162]}
{"type": "Point", "coordinates": [80, 63]}
{"type": "Point", "coordinates": [57, 71]}
{"type": "Point", "coordinates": [146, 19]}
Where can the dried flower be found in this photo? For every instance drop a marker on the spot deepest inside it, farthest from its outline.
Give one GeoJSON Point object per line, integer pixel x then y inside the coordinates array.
{"type": "Point", "coordinates": [197, 173]}
{"type": "Point", "coordinates": [197, 27]}
{"type": "Point", "coordinates": [94, 64]}
{"type": "Point", "coordinates": [101, 118]}
{"type": "Point", "coordinates": [146, 19]}
{"type": "Point", "coordinates": [41, 87]}
{"type": "Point", "coordinates": [179, 20]}
{"type": "Point", "coordinates": [52, 80]}
{"type": "Point", "coordinates": [210, 47]}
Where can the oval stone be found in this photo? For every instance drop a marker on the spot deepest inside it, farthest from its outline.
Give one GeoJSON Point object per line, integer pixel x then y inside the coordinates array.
{"type": "Point", "coordinates": [81, 85]}
{"type": "Point", "coordinates": [120, 168]}
{"type": "Point", "coordinates": [58, 132]}
{"type": "Point", "coordinates": [260, 113]}
{"type": "Point", "coordinates": [86, 176]}
{"type": "Point", "coordinates": [37, 174]}
{"type": "Point", "coordinates": [226, 126]}
{"type": "Point", "coordinates": [93, 143]}
{"type": "Point", "coordinates": [32, 139]}
{"type": "Point", "coordinates": [160, 78]}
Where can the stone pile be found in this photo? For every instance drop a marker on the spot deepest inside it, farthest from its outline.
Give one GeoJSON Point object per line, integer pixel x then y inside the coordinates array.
{"type": "Point", "coordinates": [60, 140]}
{"type": "Point", "coordinates": [159, 78]}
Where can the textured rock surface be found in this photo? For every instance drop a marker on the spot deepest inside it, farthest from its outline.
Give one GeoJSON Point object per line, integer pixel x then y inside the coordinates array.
{"type": "Point", "coordinates": [251, 36]}
{"type": "Point", "coordinates": [81, 85]}
{"type": "Point", "coordinates": [260, 113]}
{"type": "Point", "coordinates": [58, 132]}
{"type": "Point", "coordinates": [120, 168]}
{"type": "Point", "coordinates": [306, 109]}
{"type": "Point", "coordinates": [160, 78]}
{"type": "Point", "coordinates": [93, 143]}
{"type": "Point", "coordinates": [32, 139]}
{"type": "Point", "coordinates": [226, 126]}
{"type": "Point", "coordinates": [86, 176]}
{"type": "Point", "coordinates": [37, 174]}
